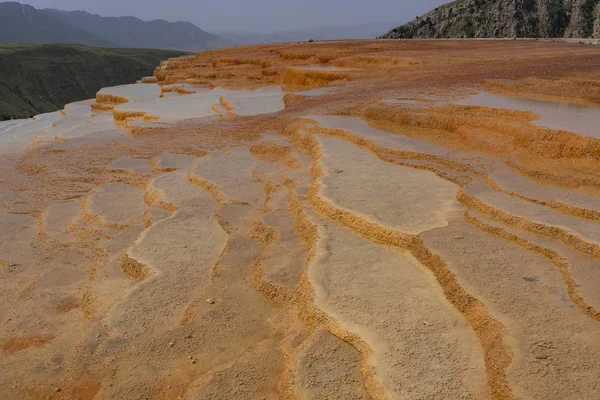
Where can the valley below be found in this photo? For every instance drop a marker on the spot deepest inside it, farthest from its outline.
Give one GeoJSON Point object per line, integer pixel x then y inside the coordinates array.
{"type": "Point", "coordinates": [370, 219]}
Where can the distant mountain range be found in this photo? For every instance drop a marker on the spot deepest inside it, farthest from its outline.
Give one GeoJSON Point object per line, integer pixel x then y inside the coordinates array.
{"type": "Point", "coordinates": [22, 23]}
{"type": "Point", "coordinates": [363, 31]}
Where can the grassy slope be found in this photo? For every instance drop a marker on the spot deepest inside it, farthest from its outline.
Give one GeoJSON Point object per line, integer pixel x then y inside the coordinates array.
{"type": "Point", "coordinates": [38, 79]}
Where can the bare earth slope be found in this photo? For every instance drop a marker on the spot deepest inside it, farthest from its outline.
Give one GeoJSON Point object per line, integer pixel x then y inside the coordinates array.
{"type": "Point", "coordinates": [336, 220]}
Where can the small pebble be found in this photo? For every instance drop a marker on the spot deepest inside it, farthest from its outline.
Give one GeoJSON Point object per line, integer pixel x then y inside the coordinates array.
{"type": "Point", "coordinates": [210, 301]}
{"type": "Point", "coordinates": [171, 344]}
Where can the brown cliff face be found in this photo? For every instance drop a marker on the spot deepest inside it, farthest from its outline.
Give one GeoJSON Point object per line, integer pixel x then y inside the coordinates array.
{"type": "Point", "coordinates": [505, 18]}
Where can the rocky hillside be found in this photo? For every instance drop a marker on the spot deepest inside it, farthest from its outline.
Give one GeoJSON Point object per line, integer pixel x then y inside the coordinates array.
{"type": "Point", "coordinates": [505, 18]}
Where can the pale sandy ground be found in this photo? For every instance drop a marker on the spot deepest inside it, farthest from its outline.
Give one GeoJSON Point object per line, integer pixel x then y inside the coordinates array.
{"type": "Point", "coordinates": [364, 225]}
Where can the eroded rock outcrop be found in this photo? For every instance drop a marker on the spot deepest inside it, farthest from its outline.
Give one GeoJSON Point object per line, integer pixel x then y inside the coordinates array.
{"type": "Point", "coordinates": [505, 18]}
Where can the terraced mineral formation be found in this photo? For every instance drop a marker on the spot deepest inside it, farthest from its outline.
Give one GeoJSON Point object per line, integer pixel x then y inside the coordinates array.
{"type": "Point", "coordinates": [335, 220]}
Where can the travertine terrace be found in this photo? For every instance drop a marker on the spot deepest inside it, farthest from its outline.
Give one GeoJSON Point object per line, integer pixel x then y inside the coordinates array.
{"type": "Point", "coordinates": [336, 220]}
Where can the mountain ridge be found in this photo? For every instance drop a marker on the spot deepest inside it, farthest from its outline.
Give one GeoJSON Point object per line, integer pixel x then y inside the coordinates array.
{"type": "Point", "coordinates": [132, 32]}
{"type": "Point", "coordinates": [25, 24]}
{"type": "Point", "coordinates": [22, 23]}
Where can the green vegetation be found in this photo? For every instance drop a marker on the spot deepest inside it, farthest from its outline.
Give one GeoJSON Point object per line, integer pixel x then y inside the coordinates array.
{"type": "Point", "coordinates": [43, 78]}
{"type": "Point", "coordinates": [558, 18]}
{"type": "Point", "coordinates": [15, 46]}
{"type": "Point", "coordinates": [588, 17]}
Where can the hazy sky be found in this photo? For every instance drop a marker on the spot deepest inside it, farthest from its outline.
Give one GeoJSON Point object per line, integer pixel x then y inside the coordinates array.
{"type": "Point", "coordinates": [253, 15]}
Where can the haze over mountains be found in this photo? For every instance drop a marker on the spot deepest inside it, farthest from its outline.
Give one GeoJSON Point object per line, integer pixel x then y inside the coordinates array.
{"type": "Point", "coordinates": [459, 19]}
{"type": "Point", "coordinates": [362, 31]}
{"type": "Point", "coordinates": [25, 24]}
